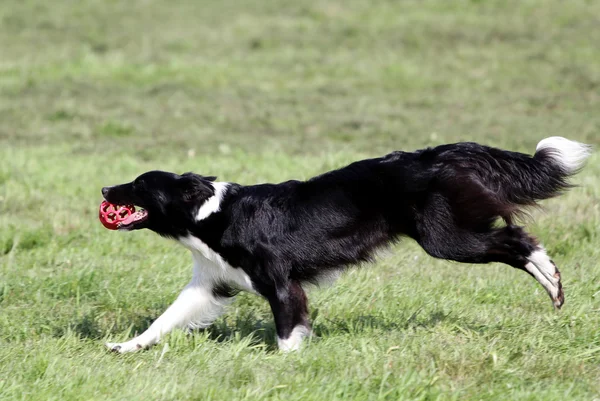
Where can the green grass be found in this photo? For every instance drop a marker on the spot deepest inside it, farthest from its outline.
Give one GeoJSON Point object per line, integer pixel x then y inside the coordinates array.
{"type": "Point", "coordinates": [95, 92]}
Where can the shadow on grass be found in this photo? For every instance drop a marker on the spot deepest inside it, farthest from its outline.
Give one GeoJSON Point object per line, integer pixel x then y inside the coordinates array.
{"type": "Point", "coordinates": [249, 325]}
{"type": "Point", "coordinates": [88, 326]}
{"type": "Point", "coordinates": [376, 322]}
{"type": "Point", "coordinates": [262, 332]}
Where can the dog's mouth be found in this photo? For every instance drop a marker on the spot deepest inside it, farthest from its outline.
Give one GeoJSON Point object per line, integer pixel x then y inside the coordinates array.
{"type": "Point", "coordinates": [122, 216]}
{"type": "Point", "coordinates": [134, 220]}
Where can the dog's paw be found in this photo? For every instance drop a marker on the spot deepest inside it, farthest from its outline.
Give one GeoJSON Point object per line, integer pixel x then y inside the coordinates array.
{"type": "Point", "coordinates": [122, 348]}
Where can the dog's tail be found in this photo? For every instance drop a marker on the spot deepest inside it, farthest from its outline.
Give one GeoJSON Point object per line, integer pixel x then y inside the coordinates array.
{"type": "Point", "coordinates": [484, 183]}
{"type": "Point", "coordinates": [547, 173]}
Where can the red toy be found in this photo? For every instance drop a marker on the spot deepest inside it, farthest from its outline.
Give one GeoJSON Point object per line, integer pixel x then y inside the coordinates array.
{"type": "Point", "coordinates": [112, 216]}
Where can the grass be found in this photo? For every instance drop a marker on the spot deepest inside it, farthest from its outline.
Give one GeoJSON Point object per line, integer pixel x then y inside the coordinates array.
{"type": "Point", "coordinates": [95, 92]}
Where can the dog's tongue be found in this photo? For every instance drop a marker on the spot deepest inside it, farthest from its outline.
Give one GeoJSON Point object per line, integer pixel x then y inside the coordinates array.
{"type": "Point", "coordinates": [132, 218]}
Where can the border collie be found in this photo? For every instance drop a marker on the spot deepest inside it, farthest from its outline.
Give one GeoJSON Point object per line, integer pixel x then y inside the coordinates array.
{"type": "Point", "coordinates": [272, 239]}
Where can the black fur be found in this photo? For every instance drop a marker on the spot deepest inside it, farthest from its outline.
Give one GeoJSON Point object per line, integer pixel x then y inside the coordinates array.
{"type": "Point", "coordinates": [449, 199]}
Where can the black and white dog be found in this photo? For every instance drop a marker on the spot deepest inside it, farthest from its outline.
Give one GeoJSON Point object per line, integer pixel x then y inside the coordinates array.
{"type": "Point", "coordinates": [272, 239]}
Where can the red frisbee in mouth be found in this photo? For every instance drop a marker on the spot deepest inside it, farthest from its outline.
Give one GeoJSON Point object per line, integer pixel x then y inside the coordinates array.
{"type": "Point", "coordinates": [114, 216]}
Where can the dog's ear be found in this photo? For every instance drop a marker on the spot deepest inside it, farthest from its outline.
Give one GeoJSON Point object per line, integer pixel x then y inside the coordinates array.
{"type": "Point", "coordinates": [194, 187]}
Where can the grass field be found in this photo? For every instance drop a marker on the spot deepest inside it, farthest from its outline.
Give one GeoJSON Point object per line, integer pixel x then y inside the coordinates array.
{"type": "Point", "coordinates": [94, 92]}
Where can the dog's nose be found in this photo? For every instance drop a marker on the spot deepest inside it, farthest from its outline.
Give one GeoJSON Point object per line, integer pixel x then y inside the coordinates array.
{"type": "Point", "coordinates": [105, 191]}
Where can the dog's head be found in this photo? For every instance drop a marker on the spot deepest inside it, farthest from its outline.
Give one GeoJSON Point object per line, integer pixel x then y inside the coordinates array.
{"type": "Point", "coordinates": [169, 201]}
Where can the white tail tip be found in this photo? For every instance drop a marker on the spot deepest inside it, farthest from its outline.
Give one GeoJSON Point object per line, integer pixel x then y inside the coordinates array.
{"type": "Point", "coordinates": [569, 155]}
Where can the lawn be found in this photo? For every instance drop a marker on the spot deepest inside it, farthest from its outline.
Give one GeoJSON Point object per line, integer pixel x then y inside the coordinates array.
{"type": "Point", "coordinates": [95, 92]}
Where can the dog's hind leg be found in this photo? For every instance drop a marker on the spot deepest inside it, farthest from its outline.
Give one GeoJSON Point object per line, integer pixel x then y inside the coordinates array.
{"type": "Point", "coordinates": [290, 309]}
{"type": "Point", "coordinates": [513, 246]}
{"type": "Point", "coordinates": [543, 269]}
{"type": "Point", "coordinates": [510, 245]}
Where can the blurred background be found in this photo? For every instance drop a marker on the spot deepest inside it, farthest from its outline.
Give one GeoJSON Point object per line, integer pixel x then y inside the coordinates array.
{"type": "Point", "coordinates": [154, 79]}
{"type": "Point", "coordinates": [95, 92]}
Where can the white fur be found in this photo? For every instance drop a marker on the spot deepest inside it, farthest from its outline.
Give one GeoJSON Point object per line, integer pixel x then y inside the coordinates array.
{"type": "Point", "coordinates": [293, 342]}
{"type": "Point", "coordinates": [545, 273]}
{"type": "Point", "coordinates": [570, 155]}
{"type": "Point", "coordinates": [196, 306]}
{"type": "Point", "coordinates": [212, 204]}
{"type": "Point", "coordinates": [212, 267]}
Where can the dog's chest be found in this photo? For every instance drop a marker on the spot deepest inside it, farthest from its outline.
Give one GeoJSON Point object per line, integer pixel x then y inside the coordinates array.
{"type": "Point", "coordinates": [210, 267]}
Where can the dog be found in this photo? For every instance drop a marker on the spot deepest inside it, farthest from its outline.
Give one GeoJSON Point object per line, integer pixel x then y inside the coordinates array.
{"type": "Point", "coordinates": [273, 239]}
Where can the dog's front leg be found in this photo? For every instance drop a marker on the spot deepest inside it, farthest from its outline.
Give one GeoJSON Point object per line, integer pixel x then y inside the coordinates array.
{"type": "Point", "coordinates": [290, 309]}
{"type": "Point", "coordinates": [195, 307]}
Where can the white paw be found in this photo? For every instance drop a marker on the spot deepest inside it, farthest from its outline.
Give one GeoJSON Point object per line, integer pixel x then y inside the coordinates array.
{"type": "Point", "coordinates": [545, 271]}
{"type": "Point", "coordinates": [129, 346]}
{"type": "Point", "coordinates": [294, 341]}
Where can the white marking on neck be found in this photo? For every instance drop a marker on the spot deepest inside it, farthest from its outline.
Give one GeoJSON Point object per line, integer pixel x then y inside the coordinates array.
{"type": "Point", "coordinates": [293, 342]}
{"type": "Point", "coordinates": [212, 204]}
